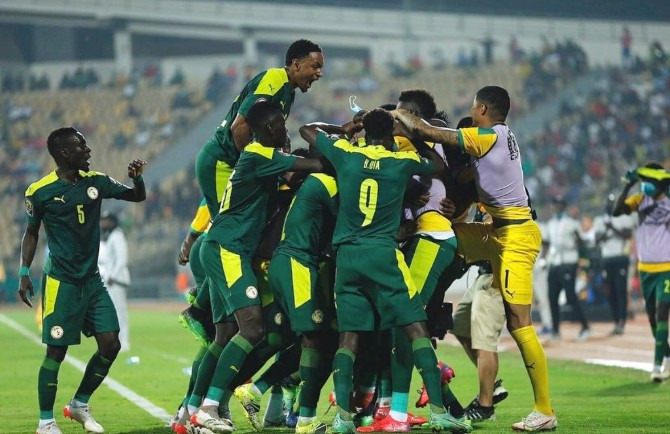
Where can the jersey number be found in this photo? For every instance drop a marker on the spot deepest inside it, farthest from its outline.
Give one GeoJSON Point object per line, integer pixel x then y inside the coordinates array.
{"type": "Point", "coordinates": [367, 202]}
{"type": "Point", "coordinates": [666, 288]}
{"type": "Point", "coordinates": [225, 202]}
{"type": "Point", "coordinates": [80, 214]}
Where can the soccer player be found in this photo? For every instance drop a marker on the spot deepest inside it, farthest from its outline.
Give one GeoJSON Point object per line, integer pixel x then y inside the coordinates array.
{"type": "Point", "coordinates": [428, 253]}
{"type": "Point", "coordinates": [232, 241]}
{"type": "Point", "coordinates": [207, 309]}
{"type": "Point", "coordinates": [294, 278]}
{"type": "Point", "coordinates": [303, 66]}
{"type": "Point", "coordinates": [372, 277]}
{"type": "Point", "coordinates": [512, 242]}
{"type": "Point", "coordinates": [74, 297]}
{"type": "Point", "coordinates": [653, 251]}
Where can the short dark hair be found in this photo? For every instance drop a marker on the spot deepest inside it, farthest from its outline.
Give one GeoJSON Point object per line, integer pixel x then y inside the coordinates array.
{"type": "Point", "coordinates": [260, 114]}
{"type": "Point", "coordinates": [299, 49]}
{"type": "Point", "coordinates": [388, 107]}
{"type": "Point", "coordinates": [443, 116]}
{"type": "Point", "coordinates": [423, 99]}
{"type": "Point", "coordinates": [654, 165]}
{"type": "Point", "coordinates": [378, 124]}
{"type": "Point", "coordinates": [55, 141]}
{"type": "Point", "coordinates": [466, 122]}
{"type": "Point", "coordinates": [496, 99]}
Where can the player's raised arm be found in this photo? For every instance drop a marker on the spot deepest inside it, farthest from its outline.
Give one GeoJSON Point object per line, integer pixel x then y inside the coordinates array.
{"type": "Point", "coordinates": [28, 248]}
{"type": "Point", "coordinates": [138, 193]}
{"type": "Point", "coordinates": [422, 130]}
{"type": "Point", "coordinates": [622, 206]}
{"type": "Point", "coordinates": [241, 132]}
{"type": "Point", "coordinates": [310, 132]}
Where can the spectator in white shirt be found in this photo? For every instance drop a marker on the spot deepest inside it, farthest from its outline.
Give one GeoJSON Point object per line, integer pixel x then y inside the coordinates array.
{"type": "Point", "coordinates": [562, 243]}
{"type": "Point", "coordinates": [613, 235]}
{"type": "Point", "coordinates": [113, 265]}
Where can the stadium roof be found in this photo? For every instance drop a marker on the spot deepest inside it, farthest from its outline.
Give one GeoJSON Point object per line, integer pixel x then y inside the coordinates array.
{"type": "Point", "coordinates": [627, 10]}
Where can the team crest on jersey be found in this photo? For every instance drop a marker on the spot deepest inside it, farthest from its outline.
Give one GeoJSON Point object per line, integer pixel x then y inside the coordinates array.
{"type": "Point", "coordinates": [56, 332]}
{"type": "Point", "coordinates": [279, 318]}
{"type": "Point", "coordinates": [252, 292]}
{"type": "Point", "coordinates": [92, 192]}
{"type": "Point", "coordinates": [29, 207]}
{"type": "Point", "coordinates": [317, 316]}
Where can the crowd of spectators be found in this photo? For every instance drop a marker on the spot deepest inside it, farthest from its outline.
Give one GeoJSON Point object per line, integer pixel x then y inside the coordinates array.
{"type": "Point", "coordinates": [551, 68]}
{"type": "Point", "coordinates": [621, 124]}
{"type": "Point", "coordinates": [580, 155]}
{"type": "Point", "coordinates": [121, 119]}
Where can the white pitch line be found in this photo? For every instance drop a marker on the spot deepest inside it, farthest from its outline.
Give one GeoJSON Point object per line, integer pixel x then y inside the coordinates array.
{"type": "Point", "coordinates": [117, 387]}
{"type": "Point", "coordinates": [642, 366]}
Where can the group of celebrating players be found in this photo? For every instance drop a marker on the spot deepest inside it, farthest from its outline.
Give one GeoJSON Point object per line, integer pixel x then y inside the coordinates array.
{"type": "Point", "coordinates": [333, 259]}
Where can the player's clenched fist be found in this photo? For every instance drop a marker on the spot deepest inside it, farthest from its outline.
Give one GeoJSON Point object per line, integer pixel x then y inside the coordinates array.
{"type": "Point", "coordinates": [136, 167]}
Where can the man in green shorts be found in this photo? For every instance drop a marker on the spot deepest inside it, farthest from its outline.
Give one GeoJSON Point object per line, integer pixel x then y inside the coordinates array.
{"type": "Point", "coordinates": [231, 243]}
{"type": "Point", "coordinates": [303, 65]}
{"type": "Point", "coordinates": [74, 298]}
{"type": "Point", "coordinates": [208, 307]}
{"type": "Point", "coordinates": [373, 280]}
{"type": "Point", "coordinates": [303, 292]}
{"type": "Point", "coordinates": [653, 250]}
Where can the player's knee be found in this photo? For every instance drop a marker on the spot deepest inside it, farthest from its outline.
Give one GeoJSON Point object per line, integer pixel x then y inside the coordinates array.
{"type": "Point", "coordinates": [56, 353]}
{"type": "Point", "coordinates": [224, 332]}
{"type": "Point", "coordinates": [311, 340]}
{"type": "Point", "coordinates": [416, 330]}
{"type": "Point", "coordinates": [253, 332]}
{"type": "Point", "coordinates": [110, 348]}
{"type": "Point", "coordinates": [349, 340]}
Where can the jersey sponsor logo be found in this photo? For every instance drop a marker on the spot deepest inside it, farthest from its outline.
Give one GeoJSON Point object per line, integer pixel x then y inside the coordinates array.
{"type": "Point", "coordinates": [29, 207]}
{"type": "Point", "coordinates": [279, 319]}
{"type": "Point", "coordinates": [317, 316]}
{"type": "Point", "coordinates": [56, 332]}
{"type": "Point", "coordinates": [59, 199]}
{"type": "Point", "coordinates": [92, 192]}
{"type": "Point", "coordinates": [252, 292]}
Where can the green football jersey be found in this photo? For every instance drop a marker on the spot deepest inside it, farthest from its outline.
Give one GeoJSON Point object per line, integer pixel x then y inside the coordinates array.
{"type": "Point", "coordinates": [305, 233]}
{"type": "Point", "coordinates": [71, 216]}
{"type": "Point", "coordinates": [371, 182]}
{"type": "Point", "coordinates": [243, 213]}
{"type": "Point", "coordinates": [272, 85]}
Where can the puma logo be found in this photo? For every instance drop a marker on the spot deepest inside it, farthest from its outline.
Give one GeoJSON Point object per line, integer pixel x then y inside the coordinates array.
{"type": "Point", "coordinates": [271, 87]}
{"type": "Point", "coordinates": [60, 199]}
{"type": "Point", "coordinates": [531, 366]}
{"type": "Point", "coordinates": [234, 368]}
{"type": "Point", "coordinates": [511, 293]}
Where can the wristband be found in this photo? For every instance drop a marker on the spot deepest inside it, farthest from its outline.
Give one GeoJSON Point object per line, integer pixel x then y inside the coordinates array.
{"type": "Point", "coordinates": [24, 271]}
{"type": "Point", "coordinates": [138, 179]}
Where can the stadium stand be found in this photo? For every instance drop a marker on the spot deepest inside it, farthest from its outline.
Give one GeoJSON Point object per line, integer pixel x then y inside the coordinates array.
{"type": "Point", "coordinates": [583, 153]}
{"type": "Point", "coordinates": [120, 123]}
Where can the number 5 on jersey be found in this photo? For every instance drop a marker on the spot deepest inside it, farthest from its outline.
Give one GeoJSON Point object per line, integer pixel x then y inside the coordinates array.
{"type": "Point", "coordinates": [80, 214]}
{"type": "Point", "coordinates": [367, 201]}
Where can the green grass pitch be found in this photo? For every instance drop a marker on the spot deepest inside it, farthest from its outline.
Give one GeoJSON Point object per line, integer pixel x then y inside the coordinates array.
{"type": "Point", "coordinates": [586, 398]}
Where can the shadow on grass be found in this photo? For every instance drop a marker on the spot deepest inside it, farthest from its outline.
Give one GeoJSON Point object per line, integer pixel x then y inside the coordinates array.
{"type": "Point", "coordinates": [164, 430]}
{"type": "Point", "coordinates": [628, 389]}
